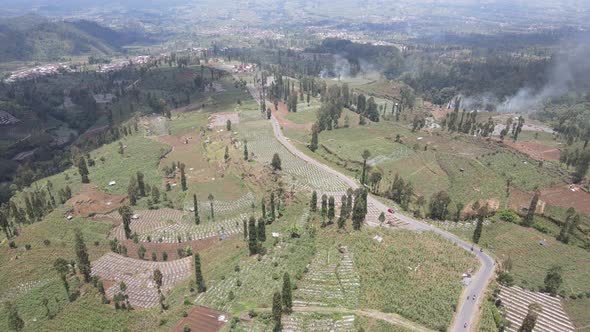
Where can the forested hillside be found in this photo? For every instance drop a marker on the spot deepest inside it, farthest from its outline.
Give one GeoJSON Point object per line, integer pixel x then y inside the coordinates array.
{"type": "Point", "coordinates": [36, 38]}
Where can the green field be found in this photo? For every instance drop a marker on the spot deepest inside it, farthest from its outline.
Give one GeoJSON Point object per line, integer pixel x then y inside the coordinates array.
{"type": "Point", "coordinates": [532, 260]}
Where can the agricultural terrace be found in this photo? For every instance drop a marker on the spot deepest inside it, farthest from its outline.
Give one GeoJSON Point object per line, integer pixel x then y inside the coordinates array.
{"type": "Point", "coordinates": [415, 275]}
{"type": "Point", "coordinates": [308, 321]}
{"type": "Point", "coordinates": [167, 226]}
{"type": "Point", "coordinates": [138, 275]}
{"type": "Point", "coordinates": [296, 172]}
{"type": "Point", "coordinates": [330, 281]}
{"type": "Point", "coordinates": [551, 319]}
{"type": "Point", "coordinates": [533, 253]}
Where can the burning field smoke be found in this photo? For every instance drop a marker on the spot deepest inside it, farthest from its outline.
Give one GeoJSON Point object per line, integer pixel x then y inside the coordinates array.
{"type": "Point", "coordinates": [570, 72]}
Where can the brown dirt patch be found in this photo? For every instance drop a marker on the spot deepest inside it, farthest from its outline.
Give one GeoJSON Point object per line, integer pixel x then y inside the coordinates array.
{"type": "Point", "coordinates": [170, 248]}
{"type": "Point", "coordinates": [567, 196]}
{"type": "Point", "coordinates": [281, 115]}
{"type": "Point", "coordinates": [469, 213]}
{"type": "Point", "coordinates": [520, 201]}
{"type": "Point", "coordinates": [202, 319]}
{"type": "Point", "coordinates": [220, 119]}
{"type": "Point", "coordinates": [535, 150]}
{"type": "Point", "coordinates": [91, 201]}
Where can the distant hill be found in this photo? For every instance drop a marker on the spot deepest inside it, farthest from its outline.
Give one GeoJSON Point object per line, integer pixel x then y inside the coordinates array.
{"type": "Point", "coordinates": [34, 37]}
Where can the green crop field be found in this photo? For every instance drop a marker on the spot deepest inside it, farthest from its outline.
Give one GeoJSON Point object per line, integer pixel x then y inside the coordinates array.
{"type": "Point", "coordinates": [416, 275]}
{"type": "Point", "coordinates": [530, 260]}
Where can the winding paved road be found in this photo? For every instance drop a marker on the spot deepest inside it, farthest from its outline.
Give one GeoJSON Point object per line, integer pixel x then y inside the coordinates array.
{"type": "Point", "coordinates": [467, 309]}
{"type": "Point", "coordinates": [467, 313]}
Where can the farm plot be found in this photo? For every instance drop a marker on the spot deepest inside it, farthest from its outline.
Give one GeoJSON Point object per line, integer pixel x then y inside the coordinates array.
{"type": "Point", "coordinates": [416, 275]}
{"type": "Point", "coordinates": [331, 281]}
{"type": "Point", "coordinates": [138, 276]}
{"type": "Point", "coordinates": [552, 318]}
{"type": "Point", "coordinates": [308, 321]}
{"type": "Point", "coordinates": [567, 196]}
{"type": "Point", "coordinates": [168, 225]}
{"type": "Point", "coordinates": [220, 119]}
{"type": "Point", "coordinates": [90, 201]}
{"type": "Point", "coordinates": [525, 173]}
{"type": "Point", "coordinates": [257, 277]}
{"type": "Point", "coordinates": [300, 174]}
{"type": "Point", "coordinates": [202, 319]}
{"type": "Point", "coordinates": [223, 207]}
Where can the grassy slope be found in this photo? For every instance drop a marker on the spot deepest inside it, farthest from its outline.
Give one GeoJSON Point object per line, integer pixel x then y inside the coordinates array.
{"type": "Point", "coordinates": [531, 260]}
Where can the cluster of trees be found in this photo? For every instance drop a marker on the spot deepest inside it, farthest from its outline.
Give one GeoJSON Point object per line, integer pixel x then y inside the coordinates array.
{"type": "Point", "coordinates": [401, 192]}
{"type": "Point", "coordinates": [466, 122]}
{"type": "Point", "coordinates": [580, 160]}
{"type": "Point", "coordinates": [37, 203]}
{"type": "Point", "coordinates": [353, 206]}
{"type": "Point", "coordinates": [137, 189]}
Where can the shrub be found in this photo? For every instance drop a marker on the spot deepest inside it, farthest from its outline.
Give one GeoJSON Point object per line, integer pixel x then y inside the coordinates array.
{"type": "Point", "coordinates": [509, 216]}
{"type": "Point", "coordinates": [46, 242]}
{"type": "Point", "coordinates": [504, 278]}
{"type": "Point", "coordinates": [12, 244]}
{"type": "Point", "coordinates": [27, 246]}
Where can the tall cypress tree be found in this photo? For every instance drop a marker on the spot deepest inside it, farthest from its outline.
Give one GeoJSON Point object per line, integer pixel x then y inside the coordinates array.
{"type": "Point", "coordinates": [140, 184]}
{"type": "Point", "coordinates": [252, 234]}
{"type": "Point", "coordinates": [313, 204]}
{"type": "Point", "coordinates": [182, 177]}
{"type": "Point", "coordinates": [272, 206]}
{"type": "Point", "coordinates": [263, 206]}
{"type": "Point", "coordinates": [287, 297]}
{"type": "Point", "coordinates": [277, 311]}
{"type": "Point", "coordinates": [261, 230]}
{"type": "Point", "coordinates": [199, 275]}
{"type": "Point", "coordinates": [358, 213]}
{"type": "Point", "coordinates": [83, 170]}
{"type": "Point", "coordinates": [245, 226]}
{"type": "Point", "coordinates": [82, 254]}
{"type": "Point", "coordinates": [324, 205]}
{"type": "Point", "coordinates": [529, 218]}
{"type": "Point", "coordinates": [478, 229]}
{"type": "Point", "coordinates": [125, 212]}
{"type": "Point", "coordinates": [196, 207]}
{"type": "Point", "coordinates": [331, 208]}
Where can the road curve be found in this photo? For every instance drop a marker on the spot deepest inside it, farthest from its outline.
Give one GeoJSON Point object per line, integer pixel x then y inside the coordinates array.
{"type": "Point", "coordinates": [467, 309]}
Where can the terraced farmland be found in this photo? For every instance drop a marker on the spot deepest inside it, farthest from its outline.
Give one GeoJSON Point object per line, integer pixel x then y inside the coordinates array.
{"type": "Point", "coordinates": [331, 281]}
{"type": "Point", "coordinates": [552, 318]}
{"type": "Point", "coordinates": [307, 321]}
{"type": "Point", "coordinates": [138, 276]}
{"type": "Point", "coordinates": [296, 172]}
{"type": "Point", "coordinates": [169, 225]}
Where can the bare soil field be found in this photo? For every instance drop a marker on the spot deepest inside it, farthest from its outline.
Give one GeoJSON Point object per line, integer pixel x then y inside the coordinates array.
{"type": "Point", "coordinates": [535, 150]}
{"type": "Point", "coordinates": [171, 249]}
{"type": "Point", "coordinates": [519, 200]}
{"type": "Point", "coordinates": [203, 319]}
{"type": "Point", "coordinates": [281, 115]}
{"type": "Point", "coordinates": [567, 196]}
{"type": "Point", "coordinates": [91, 201]}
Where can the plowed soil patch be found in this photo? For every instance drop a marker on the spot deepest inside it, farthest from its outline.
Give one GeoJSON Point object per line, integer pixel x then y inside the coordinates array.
{"type": "Point", "coordinates": [565, 196]}
{"type": "Point", "coordinates": [169, 248]}
{"type": "Point", "coordinates": [535, 150]}
{"type": "Point", "coordinates": [91, 201]}
{"type": "Point", "coordinates": [281, 116]}
{"type": "Point", "coordinates": [202, 319]}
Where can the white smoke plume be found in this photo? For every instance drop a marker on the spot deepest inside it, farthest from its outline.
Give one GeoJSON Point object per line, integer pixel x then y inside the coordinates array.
{"type": "Point", "coordinates": [570, 72]}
